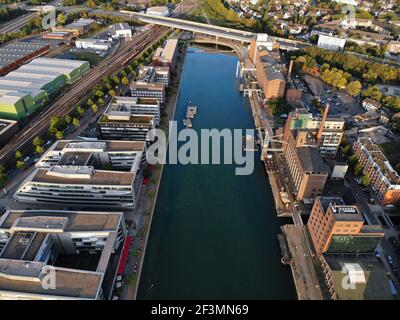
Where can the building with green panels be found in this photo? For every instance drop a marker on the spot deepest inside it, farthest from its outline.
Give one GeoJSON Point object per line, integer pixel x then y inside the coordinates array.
{"type": "Point", "coordinates": [25, 90]}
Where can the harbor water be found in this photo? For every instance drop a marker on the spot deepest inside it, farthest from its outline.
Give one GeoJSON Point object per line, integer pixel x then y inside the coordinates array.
{"type": "Point", "coordinates": [214, 233]}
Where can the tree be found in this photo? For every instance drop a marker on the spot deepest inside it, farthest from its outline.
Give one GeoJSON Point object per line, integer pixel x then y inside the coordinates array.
{"type": "Point", "coordinates": [373, 92]}
{"type": "Point", "coordinates": [75, 123]}
{"type": "Point", "coordinates": [39, 149]}
{"type": "Point", "coordinates": [354, 88]}
{"type": "Point", "coordinates": [20, 164]}
{"type": "Point", "coordinates": [79, 110]}
{"type": "Point", "coordinates": [358, 169]}
{"type": "Point", "coordinates": [111, 93]}
{"type": "Point", "coordinates": [353, 160]}
{"type": "Point", "coordinates": [38, 141]}
{"type": "Point", "coordinates": [89, 102]}
{"type": "Point", "coordinates": [125, 81]}
{"type": "Point", "coordinates": [95, 108]}
{"type": "Point", "coordinates": [18, 154]}
{"type": "Point", "coordinates": [91, 4]}
{"type": "Point", "coordinates": [366, 180]}
{"type": "Point", "coordinates": [115, 79]}
{"type": "Point", "coordinates": [61, 18]}
{"type": "Point", "coordinates": [68, 119]}
{"type": "Point", "coordinates": [346, 149]}
{"type": "Point", "coordinates": [59, 135]}
{"type": "Point", "coordinates": [101, 102]}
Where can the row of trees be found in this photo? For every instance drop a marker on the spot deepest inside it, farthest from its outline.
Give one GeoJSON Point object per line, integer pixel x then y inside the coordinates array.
{"type": "Point", "coordinates": [335, 77]}
{"type": "Point", "coordinates": [371, 72]}
{"type": "Point", "coordinates": [34, 25]}
{"type": "Point", "coordinates": [367, 49]}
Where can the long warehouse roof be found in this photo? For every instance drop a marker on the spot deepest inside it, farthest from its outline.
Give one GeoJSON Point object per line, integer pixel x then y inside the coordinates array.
{"type": "Point", "coordinates": [33, 76]}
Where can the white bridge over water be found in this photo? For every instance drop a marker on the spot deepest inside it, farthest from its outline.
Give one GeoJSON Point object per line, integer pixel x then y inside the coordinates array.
{"type": "Point", "coordinates": [209, 29]}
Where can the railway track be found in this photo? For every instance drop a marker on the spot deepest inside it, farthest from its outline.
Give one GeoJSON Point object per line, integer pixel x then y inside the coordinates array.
{"type": "Point", "coordinates": [65, 104]}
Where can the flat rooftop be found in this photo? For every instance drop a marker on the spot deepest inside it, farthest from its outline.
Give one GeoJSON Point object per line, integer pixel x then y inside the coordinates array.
{"type": "Point", "coordinates": [110, 146]}
{"type": "Point", "coordinates": [341, 210]}
{"type": "Point", "coordinates": [25, 277]}
{"type": "Point", "coordinates": [311, 159]}
{"type": "Point", "coordinates": [147, 86]}
{"type": "Point", "coordinates": [77, 220]}
{"type": "Point", "coordinates": [14, 51]}
{"type": "Point", "coordinates": [366, 273]}
{"type": "Point", "coordinates": [78, 176]}
{"type": "Point", "coordinates": [139, 119]}
{"type": "Point", "coordinates": [134, 101]}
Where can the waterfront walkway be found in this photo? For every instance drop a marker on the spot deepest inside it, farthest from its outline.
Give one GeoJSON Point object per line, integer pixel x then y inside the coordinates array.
{"type": "Point", "coordinates": [147, 200]}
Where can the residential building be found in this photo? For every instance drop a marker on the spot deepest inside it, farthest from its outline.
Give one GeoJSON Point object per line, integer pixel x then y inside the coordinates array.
{"type": "Point", "coordinates": [59, 255]}
{"type": "Point", "coordinates": [338, 228]}
{"type": "Point", "coordinates": [394, 47]}
{"type": "Point", "coordinates": [148, 90]}
{"type": "Point", "coordinates": [385, 181]}
{"type": "Point", "coordinates": [87, 174]}
{"type": "Point", "coordinates": [150, 74]}
{"type": "Point", "coordinates": [94, 44]}
{"type": "Point", "coordinates": [160, 11]}
{"type": "Point", "coordinates": [26, 89]}
{"type": "Point", "coordinates": [135, 106]}
{"type": "Point", "coordinates": [330, 42]}
{"type": "Point", "coordinates": [121, 30]}
{"type": "Point", "coordinates": [370, 104]}
{"type": "Point", "coordinates": [167, 55]}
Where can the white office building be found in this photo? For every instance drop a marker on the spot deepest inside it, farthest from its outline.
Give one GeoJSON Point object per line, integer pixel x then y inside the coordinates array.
{"type": "Point", "coordinates": [121, 30]}
{"type": "Point", "coordinates": [160, 11]}
{"type": "Point", "coordinates": [330, 42]}
{"type": "Point", "coordinates": [93, 44]}
{"type": "Point", "coordinates": [127, 106]}
{"type": "Point", "coordinates": [87, 174]}
{"type": "Point", "coordinates": [59, 255]}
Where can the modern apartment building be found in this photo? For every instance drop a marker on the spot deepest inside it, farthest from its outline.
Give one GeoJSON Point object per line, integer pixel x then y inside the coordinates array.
{"type": "Point", "coordinates": [327, 130]}
{"type": "Point", "coordinates": [148, 90]}
{"type": "Point", "coordinates": [135, 106]}
{"type": "Point", "coordinates": [150, 74]}
{"type": "Point", "coordinates": [338, 228]}
{"type": "Point", "coordinates": [385, 181]}
{"type": "Point", "coordinates": [59, 255]}
{"type": "Point", "coordinates": [87, 174]}
{"type": "Point", "coordinates": [308, 172]}
{"type": "Point", "coordinates": [126, 126]}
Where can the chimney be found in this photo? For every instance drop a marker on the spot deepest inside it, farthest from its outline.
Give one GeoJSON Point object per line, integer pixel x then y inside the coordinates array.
{"type": "Point", "coordinates": [321, 127]}
{"type": "Point", "coordinates": [289, 71]}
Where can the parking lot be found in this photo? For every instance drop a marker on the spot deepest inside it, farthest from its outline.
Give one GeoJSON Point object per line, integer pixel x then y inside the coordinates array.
{"type": "Point", "coordinates": [340, 104]}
